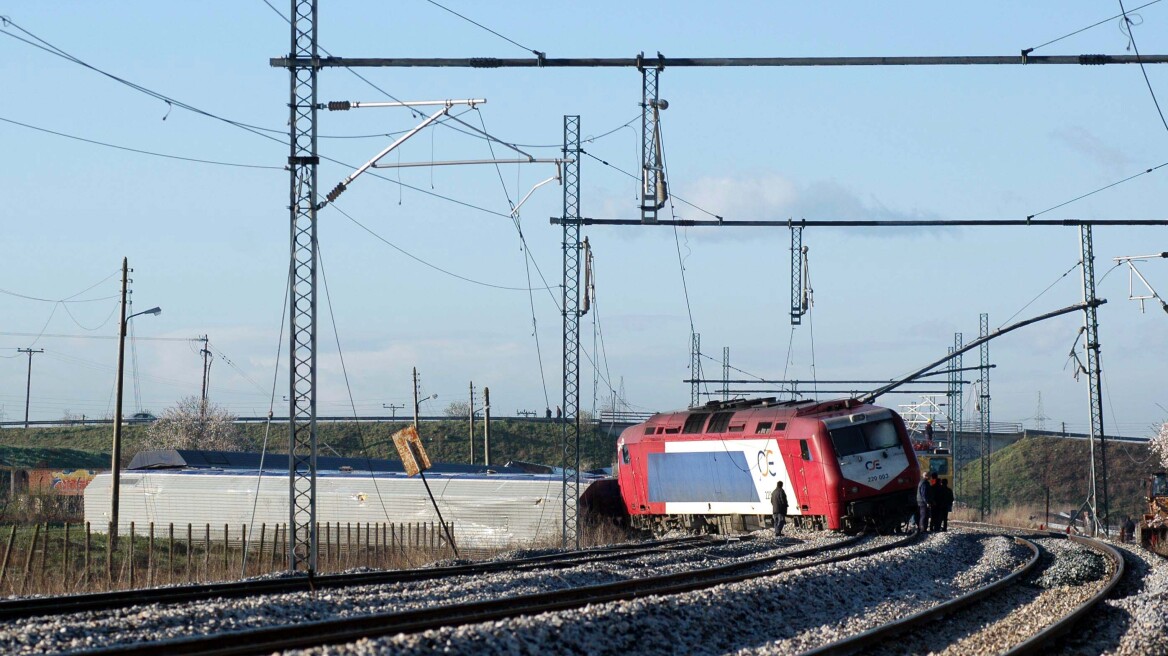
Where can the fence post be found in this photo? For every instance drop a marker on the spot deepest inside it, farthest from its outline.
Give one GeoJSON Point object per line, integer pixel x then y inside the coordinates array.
{"type": "Point", "coordinates": [85, 579]}
{"type": "Point", "coordinates": [226, 566]}
{"type": "Point", "coordinates": [44, 556]}
{"type": "Point", "coordinates": [377, 544]}
{"type": "Point", "coordinates": [243, 550]}
{"type": "Point", "coordinates": [190, 551]}
{"type": "Point", "coordinates": [66, 565]}
{"type": "Point", "coordinates": [207, 552]}
{"type": "Point", "coordinates": [131, 555]}
{"type": "Point", "coordinates": [357, 553]}
{"type": "Point", "coordinates": [170, 554]}
{"type": "Point", "coordinates": [348, 543]}
{"type": "Point", "coordinates": [260, 557]}
{"type": "Point", "coordinates": [109, 556]}
{"type": "Point", "coordinates": [36, 529]}
{"type": "Point", "coordinates": [7, 554]}
{"type": "Point", "coordinates": [150, 558]}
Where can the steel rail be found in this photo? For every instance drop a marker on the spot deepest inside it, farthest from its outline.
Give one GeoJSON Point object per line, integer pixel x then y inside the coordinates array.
{"type": "Point", "coordinates": [1043, 638]}
{"type": "Point", "coordinates": [881, 633]}
{"type": "Point", "coordinates": [19, 608]}
{"type": "Point", "coordinates": [344, 630]}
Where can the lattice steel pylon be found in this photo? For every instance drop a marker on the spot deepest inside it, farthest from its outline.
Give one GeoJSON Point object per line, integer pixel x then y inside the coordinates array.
{"type": "Point", "coordinates": [653, 191]}
{"type": "Point", "coordinates": [987, 445]}
{"type": "Point", "coordinates": [956, 408]}
{"type": "Point", "coordinates": [302, 65]}
{"type": "Point", "coordinates": [695, 369]}
{"type": "Point", "coordinates": [1098, 494]}
{"type": "Point", "coordinates": [571, 308]}
{"type": "Point", "coordinates": [725, 373]}
{"type": "Point", "coordinates": [798, 298]}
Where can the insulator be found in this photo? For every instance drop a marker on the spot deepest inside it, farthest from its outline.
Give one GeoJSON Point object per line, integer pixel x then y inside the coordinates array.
{"type": "Point", "coordinates": [337, 191]}
{"type": "Point", "coordinates": [339, 105]}
{"type": "Point", "coordinates": [1093, 60]}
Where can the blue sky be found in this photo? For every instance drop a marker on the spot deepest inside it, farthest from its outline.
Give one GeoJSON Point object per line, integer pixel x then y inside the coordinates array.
{"type": "Point", "coordinates": [209, 243]}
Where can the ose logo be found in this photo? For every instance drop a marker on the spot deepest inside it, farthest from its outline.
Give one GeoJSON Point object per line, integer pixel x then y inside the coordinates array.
{"type": "Point", "coordinates": [872, 465]}
{"type": "Point", "coordinates": [766, 466]}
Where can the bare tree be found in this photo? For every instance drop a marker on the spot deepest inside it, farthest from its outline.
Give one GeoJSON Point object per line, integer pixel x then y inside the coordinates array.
{"type": "Point", "coordinates": [1159, 444]}
{"type": "Point", "coordinates": [196, 424]}
{"type": "Point", "coordinates": [459, 409]}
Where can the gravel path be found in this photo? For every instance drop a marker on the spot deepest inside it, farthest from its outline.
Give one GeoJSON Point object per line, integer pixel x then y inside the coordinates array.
{"type": "Point", "coordinates": [779, 614]}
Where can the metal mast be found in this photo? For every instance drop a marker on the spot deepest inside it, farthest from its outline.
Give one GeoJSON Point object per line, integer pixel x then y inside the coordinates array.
{"type": "Point", "coordinates": [956, 409]}
{"type": "Point", "coordinates": [798, 309]}
{"type": "Point", "coordinates": [653, 192]}
{"type": "Point", "coordinates": [987, 446]}
{"type": "Point", "coordinates": [303, 65]}
{"type": "Point", "coordinates": [695, 368]}
{"type": "Point", "coordinates": [725, 373]}
{"type": "Point", "coordinates": [571, 305]}
{"type": "Point", "coordinates": [1098, 495]}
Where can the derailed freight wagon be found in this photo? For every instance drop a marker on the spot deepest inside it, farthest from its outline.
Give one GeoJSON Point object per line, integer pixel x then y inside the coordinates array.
{"type": "Point", "coordinates": [495, 508]}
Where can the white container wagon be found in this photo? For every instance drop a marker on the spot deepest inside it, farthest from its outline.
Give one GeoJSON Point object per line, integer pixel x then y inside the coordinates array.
{"type": "Point", "coordinates": [488, 510]}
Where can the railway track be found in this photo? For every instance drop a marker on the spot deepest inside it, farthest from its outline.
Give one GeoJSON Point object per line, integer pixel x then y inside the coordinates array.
{"type": "Point", "coordinates": [1006, 636]}
{"type": "Point", "coordinates": [350, 629]}
{"type": "Point", "coordinates": [20, 608]}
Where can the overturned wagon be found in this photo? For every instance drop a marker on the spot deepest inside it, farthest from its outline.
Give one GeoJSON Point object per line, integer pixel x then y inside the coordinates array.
{"type": "Point", "coordinates": [495, 508]}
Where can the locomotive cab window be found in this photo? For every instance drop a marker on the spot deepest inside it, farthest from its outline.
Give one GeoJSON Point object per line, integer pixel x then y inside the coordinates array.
{"type": "Point", "coordinates": [804, 450]}
{"type": "Point", "coordinates": [873, 436]}
{"type": "Point", "coordinates": [625, 453]}
{"type": "Point", "coordinates": [939, 466]}
{"type": "Point", "coordinates": [694, 423]}
{"type": "Point", "coordinates": [719, 422]}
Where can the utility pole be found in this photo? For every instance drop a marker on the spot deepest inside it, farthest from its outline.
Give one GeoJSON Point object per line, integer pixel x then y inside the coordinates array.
{"type": "Point", "coordinates": [725, 373]}
{"type": "Point", "coordinates": [28, 384]}
{"type": "Point", "coordinates": [487, 426]}
{"type": "Point", "coordinates": [206, 353]}
{"type": "Point", "coordinates": [393, 408]}
{"type": "Point", "coordinates": [116, 458]}
{"type": "Point", "coordinates": [415, 398]}
{"type": "Point", "coordinates": [470, 417]}
{"type": "Point", "coordinates": [1098, 487]}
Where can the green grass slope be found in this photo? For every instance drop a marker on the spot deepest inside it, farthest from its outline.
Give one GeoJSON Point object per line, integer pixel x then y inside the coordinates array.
{"type": "Point", "coordinates": [1021, 472]}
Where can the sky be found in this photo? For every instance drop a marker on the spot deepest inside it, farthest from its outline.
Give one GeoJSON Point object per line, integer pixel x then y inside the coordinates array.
{"type": "Point", "coordinates": [424, 267]}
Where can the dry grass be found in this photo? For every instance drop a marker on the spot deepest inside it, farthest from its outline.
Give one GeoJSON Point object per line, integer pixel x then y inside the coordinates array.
{"type": "Point", "coordinates": [1018, 516]}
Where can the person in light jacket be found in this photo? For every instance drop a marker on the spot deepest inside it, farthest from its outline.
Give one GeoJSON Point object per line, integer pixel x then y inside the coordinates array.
{"type": "Point", "coordinates": [779, 508]}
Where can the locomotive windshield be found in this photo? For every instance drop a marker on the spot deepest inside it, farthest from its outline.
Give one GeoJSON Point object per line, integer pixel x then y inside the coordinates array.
{"type": "Point", "coordinates": [858, 438]}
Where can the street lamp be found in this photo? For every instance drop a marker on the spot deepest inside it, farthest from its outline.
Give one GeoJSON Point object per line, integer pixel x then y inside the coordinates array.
{"type": "Point", "coordinates": [418, 402]}
{"type": "Point", "coordinates": [116, 465]}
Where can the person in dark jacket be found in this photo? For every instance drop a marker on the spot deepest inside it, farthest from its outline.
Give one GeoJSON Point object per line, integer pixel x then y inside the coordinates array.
{"type": "Point", "coordinates": [924, 501]}
{"type": "Point", "coordinates": [779, 508]}
{"type": "Point", "coordinates": [944, 505]}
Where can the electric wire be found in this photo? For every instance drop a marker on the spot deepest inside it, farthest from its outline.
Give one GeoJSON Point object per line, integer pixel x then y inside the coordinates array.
{"type": "Point", "coordinates": [140, 151]}
{"type": "Point", "coordinates": [531, 50]}
{"type": "Point", "coordinates": [1040, 295]}
{"type": "Point", "coordinates": [672, 196]}
{"type": "Point", "coordinates": [1105, 20]}
{"type": "Point", "coordinates": [417, 259]}
{"type": "Point", "coordinates": [67, 299]}
{"type": "Point", "coordinates": [348, 387]}
{"type": "Point", "coordinates": [271, 411]}
{"type": "Point", "coordinates": [172, 102]}
{"type": "Point", "coordinates": [528, 260]}
{"type": "Point", "coordinates": [82, 326]}
{"type": "Point", "coordinates": [1132, 37]}
{"type": "Point", "coordinates": [1092, 193]}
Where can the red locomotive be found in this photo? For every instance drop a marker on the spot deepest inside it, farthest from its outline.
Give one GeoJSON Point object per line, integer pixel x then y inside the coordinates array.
{"type": "Point", "coordinates": [846, 465]}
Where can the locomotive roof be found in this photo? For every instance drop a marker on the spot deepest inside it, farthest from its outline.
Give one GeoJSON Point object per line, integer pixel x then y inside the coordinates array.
{"type": "Point", "coordinates": [799, 408]}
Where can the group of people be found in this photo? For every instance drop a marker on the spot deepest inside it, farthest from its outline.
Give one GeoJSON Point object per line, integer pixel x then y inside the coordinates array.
{"type": "Point", "coordinates": [934, 503]}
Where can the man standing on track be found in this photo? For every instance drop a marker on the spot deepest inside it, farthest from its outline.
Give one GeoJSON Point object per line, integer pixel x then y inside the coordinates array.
{"type": "Point", "coordinates": [944, 506]}
{"type": "Point", "coordinates": [779, 508]}
{"type": "Point", "coordinates": [924, 502]}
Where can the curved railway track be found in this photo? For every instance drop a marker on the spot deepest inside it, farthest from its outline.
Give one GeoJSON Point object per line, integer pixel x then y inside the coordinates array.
{"type": "Point", "coordinates": [19, 608]}
{"type": "Point", "coordinates": [1038, 642]}
{"type": "Point", "coordinates": [350, 629]}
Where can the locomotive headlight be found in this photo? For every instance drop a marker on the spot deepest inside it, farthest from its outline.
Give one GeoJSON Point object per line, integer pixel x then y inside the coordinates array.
{"type": "Point", "coordinates": [855, 490]}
